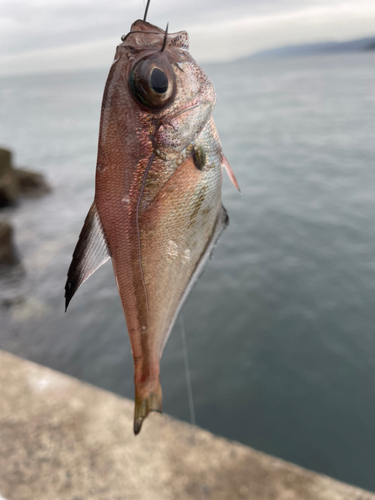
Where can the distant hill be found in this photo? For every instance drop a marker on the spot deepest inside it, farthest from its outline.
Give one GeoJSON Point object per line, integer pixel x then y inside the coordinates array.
{"type": "Point", "coordinates": [317, 48]}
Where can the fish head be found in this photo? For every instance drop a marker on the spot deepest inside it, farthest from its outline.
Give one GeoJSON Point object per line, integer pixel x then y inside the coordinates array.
{"type": "Point", "coordinates": [166, 87]}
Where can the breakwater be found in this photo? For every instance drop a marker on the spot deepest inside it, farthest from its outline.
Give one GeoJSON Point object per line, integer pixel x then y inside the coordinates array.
{"type": "Point", "coordinates": [63, 439]}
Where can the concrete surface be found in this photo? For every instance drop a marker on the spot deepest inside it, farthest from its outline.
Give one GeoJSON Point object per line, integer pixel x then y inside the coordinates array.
{"type": "Point", "coordinates": [63, 439]}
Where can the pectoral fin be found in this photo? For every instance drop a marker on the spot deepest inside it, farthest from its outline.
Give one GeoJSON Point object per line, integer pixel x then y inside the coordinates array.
{"type": "Point", "coordinates": [228, 168]}
{"type": "Point", "coordinates": [90, 253]}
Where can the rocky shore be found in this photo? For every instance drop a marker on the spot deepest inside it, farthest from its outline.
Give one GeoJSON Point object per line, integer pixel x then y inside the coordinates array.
{"type": "Point", "coordinates": [7, 250]}
{"type": "Point", "coordinates": [15, 183]}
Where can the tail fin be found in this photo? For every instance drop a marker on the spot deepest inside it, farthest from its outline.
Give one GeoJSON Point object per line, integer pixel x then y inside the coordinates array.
{"type": "Point", "coordinates": [145, 402]}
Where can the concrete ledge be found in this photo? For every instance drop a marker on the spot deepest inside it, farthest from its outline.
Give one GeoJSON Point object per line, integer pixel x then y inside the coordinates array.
{"type": "Point", "coordinates": [63, 439]}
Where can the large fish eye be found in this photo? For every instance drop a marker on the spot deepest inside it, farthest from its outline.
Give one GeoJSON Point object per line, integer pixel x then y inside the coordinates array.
{"type": "Point", "coordinates": [152, 82]}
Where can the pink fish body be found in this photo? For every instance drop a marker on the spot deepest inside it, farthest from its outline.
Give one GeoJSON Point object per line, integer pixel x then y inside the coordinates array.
{"type": "Point", "coordinates": [157, 211]}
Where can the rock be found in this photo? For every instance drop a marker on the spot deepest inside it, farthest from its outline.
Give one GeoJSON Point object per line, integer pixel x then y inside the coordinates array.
{"type": "Point", "coordinates": [31, 183]}
{"type": "Point", "coordinates": [5, 159]}
{"type": "Point", "coordinates": [9, 184]}
{"type": "Point", "coordinates": [15, 182]}
{"type": "Point", "coordinates": [7, 251]}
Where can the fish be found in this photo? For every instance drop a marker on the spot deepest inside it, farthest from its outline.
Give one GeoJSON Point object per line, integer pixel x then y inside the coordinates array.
{"type": "Point", "coordinates": [157, 212]}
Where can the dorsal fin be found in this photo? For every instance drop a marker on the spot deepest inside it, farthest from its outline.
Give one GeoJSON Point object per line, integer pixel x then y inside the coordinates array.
{"type": "Point", "coordinates": [90, 253]}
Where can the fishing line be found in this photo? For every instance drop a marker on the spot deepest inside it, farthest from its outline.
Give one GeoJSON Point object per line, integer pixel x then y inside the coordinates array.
{"type": "Point", "coordinates": [187, 372]}
{"type": "Point", "coordinates": [146, 11]}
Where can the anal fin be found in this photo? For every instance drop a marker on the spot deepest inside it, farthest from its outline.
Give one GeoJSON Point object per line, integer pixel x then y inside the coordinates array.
{"type": "Point", "coordinates": [90, 253]}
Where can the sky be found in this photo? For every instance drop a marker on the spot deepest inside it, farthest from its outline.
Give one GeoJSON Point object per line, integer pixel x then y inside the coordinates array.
{"type": "Point", "coordinates": [69, 35]}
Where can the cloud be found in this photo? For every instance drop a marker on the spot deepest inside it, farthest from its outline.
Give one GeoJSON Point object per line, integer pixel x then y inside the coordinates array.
{"type": "Point", "coordinates": [60, 59]}
{"type": "Point", "coordinates": [53, 35]}
{"type": "Point", "coordinates": [250, 34]}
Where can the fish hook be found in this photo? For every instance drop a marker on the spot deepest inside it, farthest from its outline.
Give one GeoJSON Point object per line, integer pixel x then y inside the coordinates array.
{"type": "Point", "coordinates": [165, 38]}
